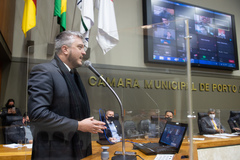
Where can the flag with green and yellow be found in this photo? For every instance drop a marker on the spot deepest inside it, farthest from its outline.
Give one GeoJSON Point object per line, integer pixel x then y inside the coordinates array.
{"type": "Point", "coordinates": [60, 10]}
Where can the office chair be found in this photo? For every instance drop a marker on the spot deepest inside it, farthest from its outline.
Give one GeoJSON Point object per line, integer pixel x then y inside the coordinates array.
{"type": "Point", "coordinates": [131, 130]}
{"type": "Point", "coordinates": [8, 121]}
{"type": "Point", "coordinates": [200, 116]}
{"type": "Point", "coordinates": [143, 126]}
{"type": "Point", "coordinates": [234, 113]}
{"type": "Point", "coordinates": [156, 119]}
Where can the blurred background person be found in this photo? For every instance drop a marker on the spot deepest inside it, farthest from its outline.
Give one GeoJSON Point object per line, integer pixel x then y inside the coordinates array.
{"type": "Point", "coordinates": [167, 117]}
{"type": "Point", "coordinates": [210, 124]}
{"type": "Point", "coordinates": [114, 131]}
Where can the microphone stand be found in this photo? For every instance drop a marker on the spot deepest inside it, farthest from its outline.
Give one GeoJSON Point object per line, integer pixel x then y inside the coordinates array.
{"type": "Point", "coordinates": [131, 155]}
{"type": "Point", "coordinates": [123, 156]}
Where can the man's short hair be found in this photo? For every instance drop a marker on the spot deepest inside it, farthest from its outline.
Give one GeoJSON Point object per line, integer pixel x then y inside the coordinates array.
{"type": "Point", "coordinates": [66, 38]}
{"type": "Point", "coordinates": [169, 111]}
{"type": "Point", "coordinates": [25, 114]}
{"type": "Point", "coordinates": [109, 111]}
{"type": "Point", "coordinates": [211, 110]}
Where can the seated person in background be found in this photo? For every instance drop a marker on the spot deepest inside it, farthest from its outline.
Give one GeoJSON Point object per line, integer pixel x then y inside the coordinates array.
{"type": "Point", "coordinates": [20, 131]}
{"type": "Point", "coordinates": [10, 109]}
{"type": "Point", "coordinates": [210, 124]}
{"type": "Point", "coordinates": [113, 131]}
{"type": "Point", "coordinates": [168, 117]}
{"type": "Point", "coordinates": [234, 123]}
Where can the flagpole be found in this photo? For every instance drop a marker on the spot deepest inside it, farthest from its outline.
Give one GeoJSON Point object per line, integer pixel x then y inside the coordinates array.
{"type": "Point", "coordinates": [52, 27]}
{"type": "Point", "coordinates": [51, 30]}
{"type": "Point", "coordinates": [74, 14]}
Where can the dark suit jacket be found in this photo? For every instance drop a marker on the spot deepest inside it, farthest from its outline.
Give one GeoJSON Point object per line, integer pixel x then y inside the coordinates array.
{"type": "Point", "coordinates": [208, 127]}
{"type": "Point", "coordinates": [108, 132]}
{"type": "Point", "coordinates": [234, 122]}
{"type": "Point", "coordinates": [49, 112]}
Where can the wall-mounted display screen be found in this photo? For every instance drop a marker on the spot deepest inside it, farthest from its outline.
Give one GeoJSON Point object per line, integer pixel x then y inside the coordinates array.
{"type": "Point", "coordinates": [213, 43]}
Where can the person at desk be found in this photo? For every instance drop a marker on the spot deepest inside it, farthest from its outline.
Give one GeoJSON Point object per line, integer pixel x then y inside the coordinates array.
{"type": "Point", "coordinates": [234, 123]}
{"type": "Point", "coordinates": [6, 113]}
{"type": "Point", "coordinates": [20, 131]}
{"type": "Point", "coordinates": [210, 124]}
{"type": "Point", "coordinates": [58, 104]}
{"type": "Point", "coordinates": [10, 109]}
{"type": "Point", "coordinates": [113, 131]}
{"type": "Point", "coordinates": [167, 117]}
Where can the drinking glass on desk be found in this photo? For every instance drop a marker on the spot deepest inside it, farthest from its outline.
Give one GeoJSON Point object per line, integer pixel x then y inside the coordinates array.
{"type": "Point", "coordinates": [146, 136]}
{"type": "Point", "coordinates": [20, 142]}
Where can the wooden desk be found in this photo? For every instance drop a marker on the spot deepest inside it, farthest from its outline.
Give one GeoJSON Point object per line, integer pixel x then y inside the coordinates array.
{"type": "Point", "coordinates": [96, 150]}
{"type": "Point", "coordinates": [184, 150]}
{"type": "Point", "coordinates": [25, 153]}
{"type": "Point", "coordinates": [14, 153]}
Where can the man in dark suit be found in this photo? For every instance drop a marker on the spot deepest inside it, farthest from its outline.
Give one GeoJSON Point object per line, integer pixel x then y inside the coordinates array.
{"type": "Point", "coordinates": [114, 131]}
{"type": "Point", "coordinates": [234, 123]}
{"type": "Point", "coordinates": [210, 124]}
{"type": "Point", "coordinates": [58, 104]}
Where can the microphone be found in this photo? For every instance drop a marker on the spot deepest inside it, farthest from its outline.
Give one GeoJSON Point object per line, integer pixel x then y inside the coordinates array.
{"type": "Point", "coordinates": [234, 121]}
{"type": "Point", "coordinates": [123, 155]}
{"type": "Point", "coordinates": [89, 65]}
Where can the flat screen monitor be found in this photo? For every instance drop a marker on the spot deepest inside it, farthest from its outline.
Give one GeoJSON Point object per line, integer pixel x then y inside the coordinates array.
{"type": "Point", "coordinates": [213, 37]}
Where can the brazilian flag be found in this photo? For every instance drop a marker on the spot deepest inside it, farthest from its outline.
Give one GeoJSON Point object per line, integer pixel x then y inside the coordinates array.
{"type": "Point", "coordinates": [60, 11]}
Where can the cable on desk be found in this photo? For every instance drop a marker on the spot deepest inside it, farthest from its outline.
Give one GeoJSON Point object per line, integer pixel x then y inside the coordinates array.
{"type": "Point", "coordinates": [139, 157]}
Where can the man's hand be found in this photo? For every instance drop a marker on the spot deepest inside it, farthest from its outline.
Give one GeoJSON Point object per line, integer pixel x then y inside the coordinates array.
{"type": "Point", "coordinates": [91, 125]}
{"type": "Point", "coordinates": [113, 140]}
{"type": "Point", "coordinates": [236, 129]}
{"type": "Point", "coordinates": [10, 111]}
{"type": "Point", "coordinates": [220, 130]}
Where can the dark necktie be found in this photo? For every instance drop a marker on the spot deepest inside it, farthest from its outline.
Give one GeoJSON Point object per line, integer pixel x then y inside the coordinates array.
{"type": "Point", "coordinates": [71, 72]}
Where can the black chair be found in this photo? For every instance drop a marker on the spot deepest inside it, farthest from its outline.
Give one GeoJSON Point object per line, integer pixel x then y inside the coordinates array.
{"type": "Point", "coordinates": [8, 122]}
{"type": "Point", "coordinates": [130, 130]}
{"type": "Point", "coordinates": [143, 126]}
{"type": "Point", "coordinates": [156, 119]}
{"type": "Point", "coordinates": [233, 120]}
{"type": "Point", "coordinates": [234, 113]}
{"type": "Point", "coordinates": [200, 116]}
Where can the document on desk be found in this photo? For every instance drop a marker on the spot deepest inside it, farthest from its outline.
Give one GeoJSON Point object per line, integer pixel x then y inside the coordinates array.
{"type": "Point", "coordinates": [13, 145]}
{"type": "Point", "coordinates": [28, 145]}
{"type": "Point", "coordinates": [198, 139]}
{"type": "Point", "coordinates": [227, 134]}
{"type": "Point", "coordinates": [164, 157]}
{"type": "Point", "coordinates": [222, 135]}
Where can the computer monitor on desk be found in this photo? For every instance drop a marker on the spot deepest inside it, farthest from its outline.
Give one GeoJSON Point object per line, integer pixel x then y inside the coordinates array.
{"type": "Point", "coordinates": [169, 142]}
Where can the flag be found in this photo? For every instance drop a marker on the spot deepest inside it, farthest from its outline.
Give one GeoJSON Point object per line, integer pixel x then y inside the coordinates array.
{"type": "Point", "coordinates": [29, 15]}
{"type": "Point", "coordinates": [87, 18]}
{"type": "Point", "coordinates": [60, 10]}
{"type": "Point", "coordinates": [107, 36]}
